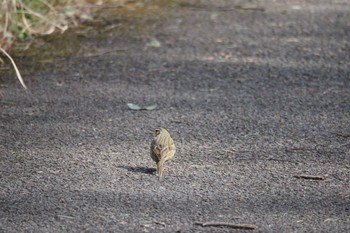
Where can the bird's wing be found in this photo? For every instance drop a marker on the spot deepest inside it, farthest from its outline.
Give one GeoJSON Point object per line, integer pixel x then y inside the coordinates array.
{"type": "Point", "coordinates": [156, 152]}
{"type": "Point", "coordinates": [167, 152]}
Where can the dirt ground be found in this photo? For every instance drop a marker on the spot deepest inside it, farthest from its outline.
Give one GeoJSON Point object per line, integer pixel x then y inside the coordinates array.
{"type": "Point", "coordinates": [254, 94]}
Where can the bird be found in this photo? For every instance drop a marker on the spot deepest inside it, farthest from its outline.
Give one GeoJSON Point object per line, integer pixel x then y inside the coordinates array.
{"type": "Point", "coordinates": [162, 149]}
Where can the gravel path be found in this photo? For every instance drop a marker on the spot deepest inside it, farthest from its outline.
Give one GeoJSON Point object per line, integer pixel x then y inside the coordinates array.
{"type": "Point", "coordinates": [253, 93]}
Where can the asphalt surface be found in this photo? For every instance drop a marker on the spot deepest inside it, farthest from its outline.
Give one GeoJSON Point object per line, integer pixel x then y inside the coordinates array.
{"type": "Point", "coordinates": [254, 94]}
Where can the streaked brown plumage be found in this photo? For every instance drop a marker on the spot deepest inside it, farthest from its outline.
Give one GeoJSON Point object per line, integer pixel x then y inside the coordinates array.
{"type": "Point", "coordinates": [162, 149]}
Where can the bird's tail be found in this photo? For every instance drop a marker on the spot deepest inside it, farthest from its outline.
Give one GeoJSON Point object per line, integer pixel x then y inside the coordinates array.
{"type": "Point", "coordinates": [160, 168]}
{"type": "Point", "coordinates": [166, 154]}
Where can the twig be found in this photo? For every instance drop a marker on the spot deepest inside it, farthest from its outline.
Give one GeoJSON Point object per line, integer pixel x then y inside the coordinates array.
{"type": "Point", "coordinates": [344, 194]}
{"type": "Point", "coordinates": [308, 177]}
{"type": "Point", "coordinates": [249, 8]}
{"type": "Point", "coordinates": [101, 53]}
{"type": "Point", "coordinates": [220, 8]}
{"type": "Point", "coordinates": [343, 135]}
{"type": "Point", "coordinates": [15, 67]}
{"type": "Point", "coordinates": [176, 121]}
{"type": "Point", "coordinates": [160, 223]}
{"type": "Point", "coordinates": [225, 224]}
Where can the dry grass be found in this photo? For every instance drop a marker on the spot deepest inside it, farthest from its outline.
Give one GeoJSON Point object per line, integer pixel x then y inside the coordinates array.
{"type": "Point", "coordinates": [21, 20]}
{"type": "Point", "coordinates": [19, 76]}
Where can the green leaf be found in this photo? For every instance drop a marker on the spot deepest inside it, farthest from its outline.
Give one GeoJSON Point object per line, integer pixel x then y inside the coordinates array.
{"type": "Point", "coordinates": [150, 108]}
{"type": "Point", "coordinates": [134, 106]}
{"type": "Point", "coordinates": [154, 43]}
{"type": "Point", "coordinates": [23, 35]}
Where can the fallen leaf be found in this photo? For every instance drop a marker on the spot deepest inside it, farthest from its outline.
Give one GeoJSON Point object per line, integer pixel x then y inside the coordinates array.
{"type": "Point", "coordinates": [137, 107]}
{"type": "Point", "coordinates": [154, 43]}
{"type": "Point", "coordinates": [134, 106]}
{"type": "Point", "coordinates": [150, 108]}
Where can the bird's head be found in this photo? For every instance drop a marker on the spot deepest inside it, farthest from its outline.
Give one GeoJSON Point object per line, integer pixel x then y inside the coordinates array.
{"type": "Point", "coordinates": [159, 131]}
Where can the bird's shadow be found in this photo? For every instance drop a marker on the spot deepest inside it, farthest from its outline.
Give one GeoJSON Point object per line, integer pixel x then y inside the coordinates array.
{"type": "Point", "coordinates": [145, 170]}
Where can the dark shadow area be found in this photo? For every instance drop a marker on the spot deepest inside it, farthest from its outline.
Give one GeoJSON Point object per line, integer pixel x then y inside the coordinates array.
{"type": "Point", "coordinates": [77, 206]}
{"type": "Point", "coordinates": [144, 170]}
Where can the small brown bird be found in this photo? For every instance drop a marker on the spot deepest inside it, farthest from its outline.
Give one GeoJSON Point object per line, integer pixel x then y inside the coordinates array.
{"type": "Point", "coordinates": [162, 149]}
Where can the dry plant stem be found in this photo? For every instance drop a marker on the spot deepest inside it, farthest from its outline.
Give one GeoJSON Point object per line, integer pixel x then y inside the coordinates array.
{"type": "Point", "coordinates": [160, 223]}
{"type": "Point", "coordinates": [308, 177]}
{"type": "Point", "coordinates": [27, 11]}
{"type": "Point", "coordinates": [49, 6]}
{"type": "Point", "coordinates": [249, 8]}
{"type": "Point", "coordinates": [225, 224]}
{"type": "Point", "coordinates": [15, 67]}
{"type": "Point", "coordinates": [6, 21]}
